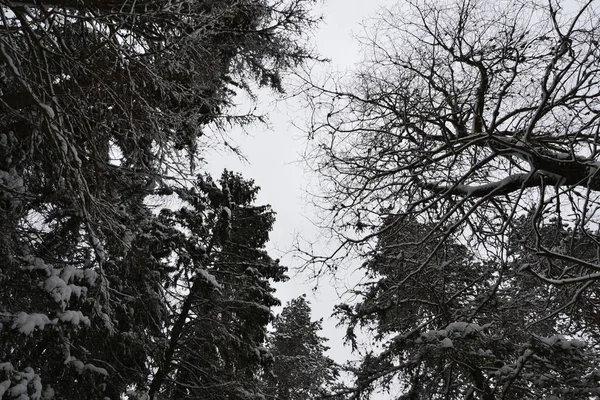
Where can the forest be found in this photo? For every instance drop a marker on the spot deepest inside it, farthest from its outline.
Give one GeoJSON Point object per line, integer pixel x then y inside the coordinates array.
{"type": "Point", "coordinates": [458, 169]}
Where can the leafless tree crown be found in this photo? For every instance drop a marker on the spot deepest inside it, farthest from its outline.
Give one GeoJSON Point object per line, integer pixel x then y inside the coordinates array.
{"type": "Point", "coordinates": [467, 114]}
{"type": "Point", "coordinates": [460, 161]}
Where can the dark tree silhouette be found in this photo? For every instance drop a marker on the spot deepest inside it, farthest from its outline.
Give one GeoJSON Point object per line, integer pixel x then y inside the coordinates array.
{"type": "Point", "coordinates": [457, 327]}
{"type": "Point", "coordinates": [301, 370]}
{"type": "Point", "coordinates": [214, 347]}
{"type": "Point", "coordinates": [467, 114]}
{"type": "Point", "coordinates": [461, 161]}
{"type": "Point", "coordinates": [103, 104]}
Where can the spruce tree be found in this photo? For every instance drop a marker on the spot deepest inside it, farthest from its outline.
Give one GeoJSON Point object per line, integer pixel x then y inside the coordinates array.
{"type": "Point", "coordinates": [214, 346]}
{"type": "Point", "coordinates": [301, 370]}
{"type": "Point", "coordinates": [460, 327]}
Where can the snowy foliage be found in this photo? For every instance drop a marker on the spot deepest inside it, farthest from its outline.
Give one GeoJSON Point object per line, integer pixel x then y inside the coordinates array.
{"type": "Point", "coordinates": [22, 385]}
{"type": "Point", "coordinates": [301, 369]}
{"type": "Point", "coordinates": [104, 108]}
{"type": "Point", "coordinates": [460, 327]}
{"type": "Point", "coordinates": [222, 281]}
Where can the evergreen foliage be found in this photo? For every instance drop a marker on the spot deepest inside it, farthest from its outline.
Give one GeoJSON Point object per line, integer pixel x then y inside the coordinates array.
{"type": "Point", "coordinates": [214, 347]}
{"type": "Point", "coordinates": [301, 370]}
{"type": "Point", "coordinates": [452, 326]}
{"type": "Point", "coordinates": [104, 109]}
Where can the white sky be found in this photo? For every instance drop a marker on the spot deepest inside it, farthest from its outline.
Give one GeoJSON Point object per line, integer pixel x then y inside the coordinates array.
{"type": "Point", "coordinates": [274, 162]}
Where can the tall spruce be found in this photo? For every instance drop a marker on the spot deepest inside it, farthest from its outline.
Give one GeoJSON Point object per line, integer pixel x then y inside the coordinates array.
{"type": "Point", "coordinates": [301, 370]}
{"type": "Point", "coordinates": [214, 347]}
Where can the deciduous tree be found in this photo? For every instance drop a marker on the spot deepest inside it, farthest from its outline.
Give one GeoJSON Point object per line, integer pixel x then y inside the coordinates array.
{"type": "Point", "coordinates": [460, 160]}
{"type": "Point", "coordinates": [467, 114]}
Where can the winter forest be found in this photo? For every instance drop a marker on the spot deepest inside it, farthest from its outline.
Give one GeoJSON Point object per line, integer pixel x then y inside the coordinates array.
{"type": "Point", "coordinates": [457, 170]}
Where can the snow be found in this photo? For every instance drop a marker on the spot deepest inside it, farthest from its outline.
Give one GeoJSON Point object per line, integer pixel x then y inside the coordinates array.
{"type": "Point", "coordinates": [26, 323]}
{"type": "Point", "coordinates": [28, 374]}
{"type": "Point", "coordinates": [37, 388]}
{"type": "Point", "coordinates": [562, 342]}
{"type": "Point", "coordinates": [457, 326]}
{"type": "Point", "coordinates": [11, 180]}
{"type": "Point", "coordinates": [18, 389]}
{"type": "Point", "coordinates": [90, 276]}
{"type": "Point", "coordinates": [63, 146]}
{"type": "Point", "coordinates": [505, 370]}
{"type": "Point", "coordinates": [137, 395]}
{"type": "Point", "coordinates": [210, 278]}
{"type": "Point", "coordinates": [6, 367]}
{"type": "Point", "coordinates": [227, 211]}
{"type": "Point", "coordinates": [48, 393]}
{"type": "Point", "coordinates": [36, 263]}
{"type": "Point", "coordinates": [78, 290]}
{"type": "Point", "coordinates": [454, 330]}
{"type": "Point", "coordinates": [75, 155]}
{"type": "Point", "coordinates": [77, 364]}
{"type": "Point", "coordinates": [107, 321]}
{"type": "Point", "coordinates": [10, 61]}
{"type": "Point", "coordinates": [29, 386]}
{"type": "Point", "coordinates": [81, 367]}
{"type": "Point", "coordinates": [58, 289]}
{"type": "Point", "coordinates": [98, 370]}
{"type": "Point", "coordinates": [49, 111]}
{"type": "Point", "coordinates": [68, 273]}
{"type": "Point", "coordinates": [464, 327]}
{"type": "Point", "coordinates": [3, 387]}
{"type": "Point", "coordinates": [74, 317]}
{"type": "Point", "coordinates": [98, 248]}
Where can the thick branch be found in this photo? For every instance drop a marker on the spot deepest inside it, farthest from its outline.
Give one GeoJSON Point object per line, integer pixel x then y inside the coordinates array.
{"type": "Point", "coordinates": [517, 182]}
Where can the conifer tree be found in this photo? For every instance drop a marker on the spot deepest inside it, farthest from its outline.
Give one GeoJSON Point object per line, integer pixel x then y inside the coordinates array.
{"type": "Point", "coordinates": [301, 370]}
{"type": "Point", "coordinates": [214, 347]}
{"type": "Point", "coordinates": [458, 327]}
{"type": "Point", "coordinates": [103, 107]}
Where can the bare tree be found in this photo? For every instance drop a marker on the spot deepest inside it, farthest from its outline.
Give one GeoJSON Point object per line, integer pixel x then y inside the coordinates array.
{"type": "Point", "coordinates": [461, 161]}
{"type": "Point", "coordinates": [467, 114]}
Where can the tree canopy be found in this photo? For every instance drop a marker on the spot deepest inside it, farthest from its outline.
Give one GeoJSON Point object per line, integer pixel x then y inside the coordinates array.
{"type": "Point", "coordinates": [465, 113]}
{"type": "Point", "coordinates": [301, 370]}
{"type": "Point", "coordinates": [105, 110]}
{"type": "Point", "coordinates": [460, 162]}
{"type": "Point", "coordinates": [459, 327]}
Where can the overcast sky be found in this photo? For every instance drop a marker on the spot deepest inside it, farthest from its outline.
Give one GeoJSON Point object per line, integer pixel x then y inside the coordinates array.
{"type": "Point", "coordinates": [274, 161]}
